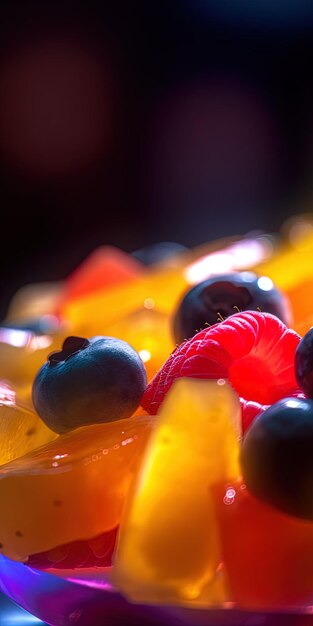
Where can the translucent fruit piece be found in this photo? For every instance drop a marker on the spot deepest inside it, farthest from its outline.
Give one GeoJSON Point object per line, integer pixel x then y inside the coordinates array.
{"type": "Point", "coordinates": [104, 267]}
{"type": "Point", "coordinates": [268, 555]}
{"type": "Point", "coordinates": [35, 300]}
{"type": "Point", "coordinates": [24, 396]}
{"type": "Point", "coordinates": [22, 353]}
{"type": "Point", "coordinates": [291, 270]}
{"type": "Point", "coordinates": [168, 546]}
{"type": "Point", "coordinates": [71, 489]}
{"type": "Point", "coordinates": [96, 552]}
{"type": "Point", "coordinates": [291, 265]}
{"type": "Point", "coordinates": [90, 313]}
{"type": "Point", "coordinates": [149, 332]}
{"type": "Point", "coordinates": [301, 304]}
{"type": "Point", "coordinates": [21, 429]}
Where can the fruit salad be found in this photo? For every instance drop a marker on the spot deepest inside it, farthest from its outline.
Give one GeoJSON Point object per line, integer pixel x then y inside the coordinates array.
{"type": "Point", "coordinates": [156, 422]}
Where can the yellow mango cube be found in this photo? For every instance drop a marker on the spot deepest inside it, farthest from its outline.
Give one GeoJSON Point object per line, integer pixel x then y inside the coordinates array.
{"type": "Point", "coordinates": [168, 547]}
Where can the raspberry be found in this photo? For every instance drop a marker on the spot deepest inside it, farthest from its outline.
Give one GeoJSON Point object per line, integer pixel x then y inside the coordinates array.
{"type": "Point", "coordinates": [254, 350]}
{"type": "Point", "coordinates": [250, 410]}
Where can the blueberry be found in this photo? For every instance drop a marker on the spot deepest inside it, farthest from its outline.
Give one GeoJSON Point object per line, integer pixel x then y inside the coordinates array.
{"type": "Point", "coordinates": [221, 296]}
{"type": "Point", "coordinates": [304, 363]}
{"type": "Point", "coordinates": [89, 381]}
{"type": "Point", "coordinates": [277, 459]}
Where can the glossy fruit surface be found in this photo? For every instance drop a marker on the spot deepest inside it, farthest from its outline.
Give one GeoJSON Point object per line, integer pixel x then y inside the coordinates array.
{"type": "Point", "coordinates": [71, 489]}
{"type": "Point", "coordinates": [88, 382]}
{"type": "Point", "coordinates": [104, 268]}
{"type": "Point", "coordinates": [304, 363]}
{"type": "Point", "coordinates": [268, 555]}
{"type": "Point", "coordinates": [149, 332]}
{"type": "Point", "coordinates": [254, 350]}
{"type": "Point", "coordinates": [221, 296]}
{"type": "Point", "coordinates": [22, 353]}
{"type": "Point", "coordinates": [277, 459]}
{"type": "Point", "coordinates": [96, 552]}
{"type": "Point", "coordinates": [168, 545]}
{"type": "Point", "coordinates": [21, 429]}
{"type": "Point", "coordinates": [249, 411]}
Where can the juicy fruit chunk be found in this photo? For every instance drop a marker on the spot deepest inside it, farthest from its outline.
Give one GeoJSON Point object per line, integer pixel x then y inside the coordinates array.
{"type": "Point", "coordinates": [291, 270]}
{"type": "Point", "coordinates": [21, 429]}
{"type": "Point", "coordinates": [304, 363]}
{"type": "Point", "coordinates": [34, 300]}
{"type": "Point", "coordinates": [105, 267]}
{"type": "Point", "coordinates": [96, 552]}
{"type": "Point", "coordinates": [149, 332]}
{"type": "Point", "coordinates": [255, 351]}
{"type": "Point", "coordinates": [91, 314]}
{"type": "Point", "coordinates": [268, 555]}
{"type": "Point", "coordinates": [277, 459]}
{"type": "Point", "coordinates": [22, 353]}
{"type": "Point", "coordinates": [71, 489]}
{"type": "Point", "coordinates": [89, 382]}
{"type": "Point", "coordinates": [168, 545]}
{"type": "Point", "coordinates": [220, 296]}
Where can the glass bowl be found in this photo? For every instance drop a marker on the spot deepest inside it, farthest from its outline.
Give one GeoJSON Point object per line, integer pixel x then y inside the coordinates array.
{"type": "Point", "coordinates": [87, 598]}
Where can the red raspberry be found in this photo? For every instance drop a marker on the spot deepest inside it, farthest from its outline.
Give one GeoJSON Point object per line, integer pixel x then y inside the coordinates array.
{"type": "Point", "coordinates": [250, 409]}
{"type": "Point", "coordinates": [255, 351]}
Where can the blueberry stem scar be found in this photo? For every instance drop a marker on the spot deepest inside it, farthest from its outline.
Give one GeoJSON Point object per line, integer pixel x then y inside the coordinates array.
{"type": "Point", "coordinates": [71, 346]}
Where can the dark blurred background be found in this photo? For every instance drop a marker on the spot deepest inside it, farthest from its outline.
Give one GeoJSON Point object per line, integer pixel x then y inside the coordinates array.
{"type": "Point", "coordinates": [129, 123]}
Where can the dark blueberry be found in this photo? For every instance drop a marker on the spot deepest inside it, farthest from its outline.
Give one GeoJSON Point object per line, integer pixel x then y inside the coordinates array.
{"type": "Point", "coordinates": [218, 297]}
{"type": "Point", "coordinates": [304, 363]}
{"type": "Point", "coordinates": [158, 252]}
{"type": "Point", "coordinates": [277, 457]}
{"type": "Point", "coordinates": [89, 381]}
